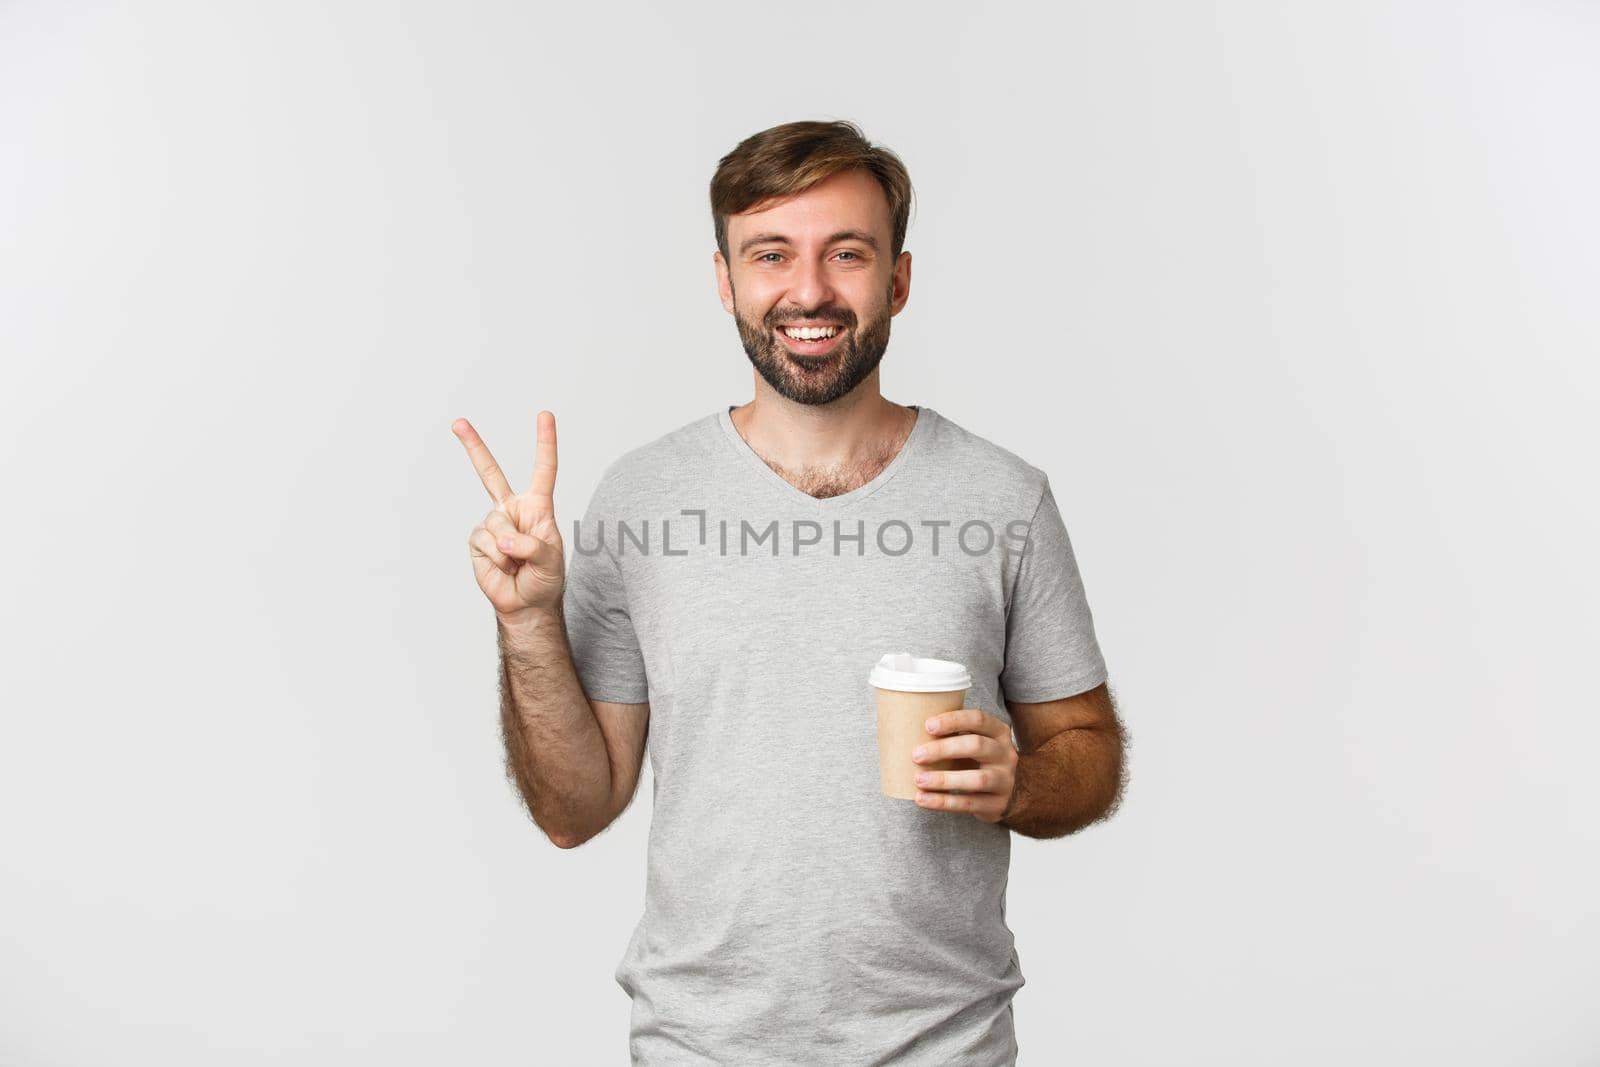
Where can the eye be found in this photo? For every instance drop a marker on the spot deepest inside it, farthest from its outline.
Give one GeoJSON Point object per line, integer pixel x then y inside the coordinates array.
{"type": "Point", "coordinates": [763, 256]}
{"type": "Point", "coordinates": [851, 254]}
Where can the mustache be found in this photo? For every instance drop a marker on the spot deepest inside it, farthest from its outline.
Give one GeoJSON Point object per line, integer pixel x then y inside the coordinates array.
{"type": "Point", "coordinates": [836, 315]}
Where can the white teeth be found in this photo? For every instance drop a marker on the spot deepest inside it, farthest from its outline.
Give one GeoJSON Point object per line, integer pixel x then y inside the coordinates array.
{"type": "Point", "coordinates": [810, 333]}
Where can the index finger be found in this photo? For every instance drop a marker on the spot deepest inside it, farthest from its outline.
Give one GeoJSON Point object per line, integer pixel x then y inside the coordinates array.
{"type": "Point", "coordinates": [968, 720]}
{"type": "Point", "coordinates": [489, 471]}
{"type": "Point", "coordinates": [544, 457]}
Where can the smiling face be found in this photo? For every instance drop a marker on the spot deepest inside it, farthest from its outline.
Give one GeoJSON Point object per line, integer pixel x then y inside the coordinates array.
{"type": "Point", "coordinates": [812, 285]}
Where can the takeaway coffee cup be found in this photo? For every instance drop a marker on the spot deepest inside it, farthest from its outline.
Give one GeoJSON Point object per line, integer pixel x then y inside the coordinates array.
{"type": "Point", "coordinates": [910, 690]}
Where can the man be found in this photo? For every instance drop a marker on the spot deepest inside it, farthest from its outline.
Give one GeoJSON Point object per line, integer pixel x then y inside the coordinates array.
{"type": "Point", "coordinates": [734, 583]}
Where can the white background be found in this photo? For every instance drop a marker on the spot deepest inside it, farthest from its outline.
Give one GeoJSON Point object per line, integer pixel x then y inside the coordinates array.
{"type": "Point", "coordinates": [1295, 303]}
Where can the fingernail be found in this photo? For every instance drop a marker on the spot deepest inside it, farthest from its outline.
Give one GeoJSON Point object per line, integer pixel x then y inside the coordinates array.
{"type": "Point", "coordinates": [918, 753]}
{"type": "Point", "coordinates": [931, 725]}
{"type": "Point", "coordinates": [922, 779]}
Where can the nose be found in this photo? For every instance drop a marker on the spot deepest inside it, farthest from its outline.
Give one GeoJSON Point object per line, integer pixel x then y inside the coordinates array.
{"type": "Point", "coordinates": [810, 287]}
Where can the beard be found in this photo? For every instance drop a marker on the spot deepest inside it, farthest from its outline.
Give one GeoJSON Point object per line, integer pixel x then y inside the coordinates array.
{"type": "Point", "coordinates": [815, 379]}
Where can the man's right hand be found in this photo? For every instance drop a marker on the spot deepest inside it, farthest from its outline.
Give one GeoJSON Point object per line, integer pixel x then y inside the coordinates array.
{"type": "Point", "coordinates": [517, 552]}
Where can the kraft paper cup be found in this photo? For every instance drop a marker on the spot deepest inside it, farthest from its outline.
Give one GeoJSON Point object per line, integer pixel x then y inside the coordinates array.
{"type": "Point", "coordinates": [910, 690]}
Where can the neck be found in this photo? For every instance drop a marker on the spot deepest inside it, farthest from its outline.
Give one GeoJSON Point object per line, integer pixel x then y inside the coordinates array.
{"type": "Point", "coordinates": [846, 432]}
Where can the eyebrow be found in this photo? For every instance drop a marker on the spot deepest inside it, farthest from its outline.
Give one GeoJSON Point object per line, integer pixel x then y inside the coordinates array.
{"type": "Point", "coordinates": [778, 238]}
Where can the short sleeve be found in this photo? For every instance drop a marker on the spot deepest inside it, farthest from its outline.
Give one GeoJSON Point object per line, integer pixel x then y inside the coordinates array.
{"type": "Point", "coordinates": [605, 649]}
{"type": "Point", "coordinates": [1051, 649]}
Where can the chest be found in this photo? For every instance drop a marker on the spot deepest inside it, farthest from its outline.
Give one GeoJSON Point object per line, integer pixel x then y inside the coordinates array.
{"type": "Point", "coordinates": [817, 606]}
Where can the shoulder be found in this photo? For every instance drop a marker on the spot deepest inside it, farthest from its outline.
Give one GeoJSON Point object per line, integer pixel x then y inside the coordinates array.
{"type": "Point", "coordinates": [983, 469]}
{"type": "Point", "coordinates": [662, 462]}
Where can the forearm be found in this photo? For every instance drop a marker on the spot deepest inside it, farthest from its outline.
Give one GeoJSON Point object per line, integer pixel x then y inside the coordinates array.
{"type": "Point", "coordinates": [555, 751]}
{"type": "Point", "coordinates": [1070, 781]}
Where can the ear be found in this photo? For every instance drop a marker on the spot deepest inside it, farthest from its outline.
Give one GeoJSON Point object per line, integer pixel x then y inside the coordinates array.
{"type": "Point", "coordinates": [902, 283]}
{"type": "Point", "coordinates": [724, 282]}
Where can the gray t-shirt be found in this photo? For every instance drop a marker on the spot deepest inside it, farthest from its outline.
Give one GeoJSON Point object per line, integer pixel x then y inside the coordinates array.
{"type": "Point", "coordinates": [793, 913]}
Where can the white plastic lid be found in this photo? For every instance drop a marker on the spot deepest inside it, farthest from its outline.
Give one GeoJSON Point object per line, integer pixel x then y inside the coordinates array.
{"type": "Point", "coordinates": [915, 674]}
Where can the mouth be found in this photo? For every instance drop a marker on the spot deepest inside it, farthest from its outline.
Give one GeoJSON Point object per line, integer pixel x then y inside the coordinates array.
{"type": "Point", "coordinates": [815, 339]}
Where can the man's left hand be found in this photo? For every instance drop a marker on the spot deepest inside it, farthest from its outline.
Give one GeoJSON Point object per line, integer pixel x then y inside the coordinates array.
{"type": "Point", "coordinates": [983, 791]}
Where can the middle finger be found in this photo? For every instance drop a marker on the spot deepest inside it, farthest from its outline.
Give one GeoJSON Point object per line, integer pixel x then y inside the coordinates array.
{"type": "Point", "coordinates": [489, 472]}
{"type": "Point", "coordinates": [974, 781]}
{"type": "Point", "coordinates": [973, 745]}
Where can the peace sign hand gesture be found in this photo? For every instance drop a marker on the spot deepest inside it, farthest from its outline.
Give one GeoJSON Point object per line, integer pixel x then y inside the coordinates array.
{"type": "Point", "coordinates": [517, 553]}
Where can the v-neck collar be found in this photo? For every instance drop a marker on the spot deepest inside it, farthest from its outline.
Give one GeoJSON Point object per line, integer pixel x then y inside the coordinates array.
{"type": "Point", "coordinates": [919, 430]}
